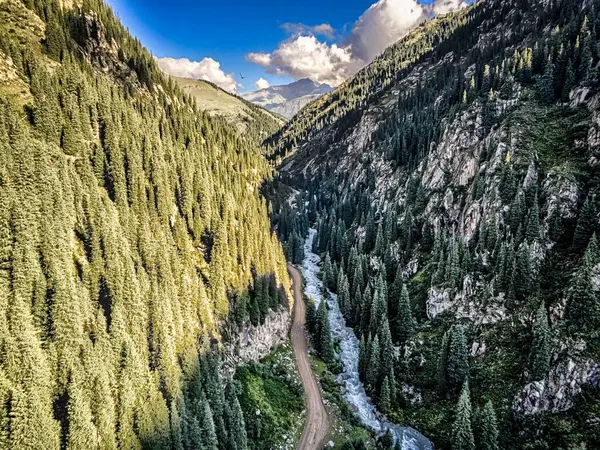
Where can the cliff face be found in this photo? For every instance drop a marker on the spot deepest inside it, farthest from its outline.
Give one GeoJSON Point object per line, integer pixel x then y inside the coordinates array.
{"type": "Point", "coordinates": [473, 183]}
{"type": "Point", "coordinates": [252, 343]}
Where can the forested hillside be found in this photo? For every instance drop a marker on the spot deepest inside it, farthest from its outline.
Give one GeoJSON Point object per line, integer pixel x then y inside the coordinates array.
{"type": "Point", "coordinates": [454, 184]}
{"type": "Point", "coordinates": [131, 228]}
{"type": "Point", "coordinates": [249, 119]}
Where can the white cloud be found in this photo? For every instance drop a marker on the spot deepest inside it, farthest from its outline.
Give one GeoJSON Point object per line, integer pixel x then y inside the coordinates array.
{"type": "Point", "coordinates": [208, 69]}
{"type": "Point", "coordinates": [298, 29]}
{"type": "Point", "coordinates": [385, 22]}
{"type": "Point", "coordinates": [307, 57]}
{"type": "Point", "coordinates": [262, 59]}
{"type": "Point", "coordinates": [446, 6]}
{"type": "Point", "coordinates": [261, 83]}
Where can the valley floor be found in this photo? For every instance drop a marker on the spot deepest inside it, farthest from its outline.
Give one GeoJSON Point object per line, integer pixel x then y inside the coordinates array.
{"type": "Point", "coordinates": [317, 420]}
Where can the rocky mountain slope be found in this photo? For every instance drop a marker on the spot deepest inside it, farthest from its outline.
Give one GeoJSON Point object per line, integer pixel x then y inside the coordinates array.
{"type": "Point", "coordinates": [455, 186]}
{"type": "Point", "coordinates": [249, 119]}
{"type": "Point", "coordinates": [133, 240]}
{"type": "Point", "coordinates": [288, 99]}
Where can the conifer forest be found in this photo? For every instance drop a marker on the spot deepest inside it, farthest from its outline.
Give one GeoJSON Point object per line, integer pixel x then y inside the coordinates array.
{"type": "Point", "coordinates": [447, 196]}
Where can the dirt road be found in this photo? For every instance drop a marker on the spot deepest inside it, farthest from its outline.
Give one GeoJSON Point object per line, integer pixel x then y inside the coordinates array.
{"type": "Point", "coordinates": [317, 420]}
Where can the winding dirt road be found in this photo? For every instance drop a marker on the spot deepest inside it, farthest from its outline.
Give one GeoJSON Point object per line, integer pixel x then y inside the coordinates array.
{"type": "Point", "coordinates": [317, 420]}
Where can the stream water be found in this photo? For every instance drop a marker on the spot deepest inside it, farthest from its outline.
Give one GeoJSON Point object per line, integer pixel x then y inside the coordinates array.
{"type": "Point", "coordinates": [354, 393]}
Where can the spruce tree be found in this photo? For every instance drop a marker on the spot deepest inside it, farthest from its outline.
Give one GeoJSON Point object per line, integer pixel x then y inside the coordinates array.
{"type": "Point", "coordinates": [208, 434]}
{"type": "Point", "coordinates": [363, 357]}
{"type": "Point", "coordinates": [547, 83]}
{"type": "Point", "coordinates": [237, 425]}
{"type": "Point", "coordinates": [323, 330]}
{"type": "Point", "coordinates": [587, 224]}
{"type": "Point", "coordinates": [386, 367]}
{"type": "Point", "coordinates": [583, 308]}
{"type": "Point", "coordinates": [404, 322]}
{"type": "Point", "coordinates": [569, 82]}
{"type": "Point", "coordinates": [487, 429]}
{"type": "Point", "coordinates": [384, 397]}
{"type": "Point", "coordinates": [311, 314]}
{"type": "Point", "coordinates": [462, 429]}
{"type": "Point", "coordinates": [525, 276]}
{"type": "Point", "coordinates": [458, 357]}
{"type": "Point", "coordinates": [541, 346]}
{"type": "Point", "coordinates": [374, 356]}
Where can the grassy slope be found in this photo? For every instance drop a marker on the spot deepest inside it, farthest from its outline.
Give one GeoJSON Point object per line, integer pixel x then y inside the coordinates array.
{"type": "Point", "coordinates": [242, 114]}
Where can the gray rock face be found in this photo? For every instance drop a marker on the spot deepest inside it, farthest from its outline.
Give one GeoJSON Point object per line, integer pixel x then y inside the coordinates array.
{"type": "Point", "coordinates": [289, 108]}
{"type": "Point", "coordinates": [253, 343]}
{"type": "Point", "coordinates": [558, 391]}
{"type": "Point", "coordinates": [465, 304]}
{"type": "Point", "coordinates": [411, 394]}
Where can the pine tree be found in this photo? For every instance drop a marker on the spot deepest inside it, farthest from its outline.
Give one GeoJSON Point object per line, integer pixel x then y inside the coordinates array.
{"type": "Point", "coordinates": [507, 183]}
{"type": "Point", "coordinates": [384, 397]}
{"type": "Point", "coordinates": [379, 306]}
{"type": "Point", "coordinates": [587, 224]}
{"type": "Point", "coordinates": [462, 429]}
{"type": "Point", "coordinates": [487, 429]}
{"type": "Point", "coordinates": [254, 312]}
{"type": "Point", "coordinates": [363, 357]}
{"type": "Point", "coordinates": [592, 253]}
{"type": "Point", "coordinates": [458, 357]}
{"type": "Point", "coordinates": [325, 343]}
{"type": "Point", "coordinates": [237, 426]}
{"type": "Point", "coordinates": [404, 322]}
{"type": "Point", "coordinates": [386, 364]}
{"type": "Point", "coordinates": [569, 82]}
{"type": "Point", "coordinates": [373, 365]}
{"type": "Point", "coordinates": [583, 308]}
{"type": "Point", "coordinates": [541, 346]}
{"type": "Point", "coordinates": [311, 314]}
{"type": "Point", "coordinates": [208, 434]}
{"type": "Point", "coordinates": [328, 277]}
{"type": "Point", "coordinates": [547, 83]}
{"type": "Point", "coordinates": [525, 277]}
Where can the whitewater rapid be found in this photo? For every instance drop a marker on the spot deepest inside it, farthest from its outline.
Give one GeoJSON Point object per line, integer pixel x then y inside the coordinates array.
{"type": "Point", "coordinates": [355, 394]}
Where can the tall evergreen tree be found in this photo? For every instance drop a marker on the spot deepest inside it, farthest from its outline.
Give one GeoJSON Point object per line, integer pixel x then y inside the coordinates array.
{"type": "Point", "coordinates": [583, 308]}
{"type": "Point", "coordinates": [587, 224]}
{"type": "Point", "coordinates": [458, 357]}
{"type": "Point", "coordinates": [404, 322]}
{"type": "Point", "coordinates": [487, 428]}
{"type": "Point", "coordinates": [462, 429]}
{"type": "Point", "coordinates": [541, 346]}
{"type": "Point", "coordinates": [323, 334]}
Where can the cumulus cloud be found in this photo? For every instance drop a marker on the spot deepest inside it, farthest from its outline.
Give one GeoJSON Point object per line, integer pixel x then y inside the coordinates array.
{"type": "Point", "coordinates": [298, 29]}
{"type": "Point", "coordinates": [208, 69]}
{"type": "Point", "coordinates": [261, 83]}
{"type": "Point", "coordinates": [446, 6]}
{"type": "Point", "coordinates": [383, 24]}
{"type": "Point", "coordinates": [307, 57]}
{"type": "Point", "coordinates": [302, 55]}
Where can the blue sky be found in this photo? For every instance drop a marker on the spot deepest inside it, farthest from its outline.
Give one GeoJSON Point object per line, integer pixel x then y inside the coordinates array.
{"type": "Point", "coordinates": [230, 30]}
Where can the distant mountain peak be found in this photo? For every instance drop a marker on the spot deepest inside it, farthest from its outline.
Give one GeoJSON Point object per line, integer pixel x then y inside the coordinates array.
{"type": "Point", "coordinates": [288, 99]}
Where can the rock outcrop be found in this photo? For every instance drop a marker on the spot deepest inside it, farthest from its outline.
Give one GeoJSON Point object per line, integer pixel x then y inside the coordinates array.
{"type": "Point", "coordinates": [251, 343]}
{"type": "Point", "coordinates": [558, 392]}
